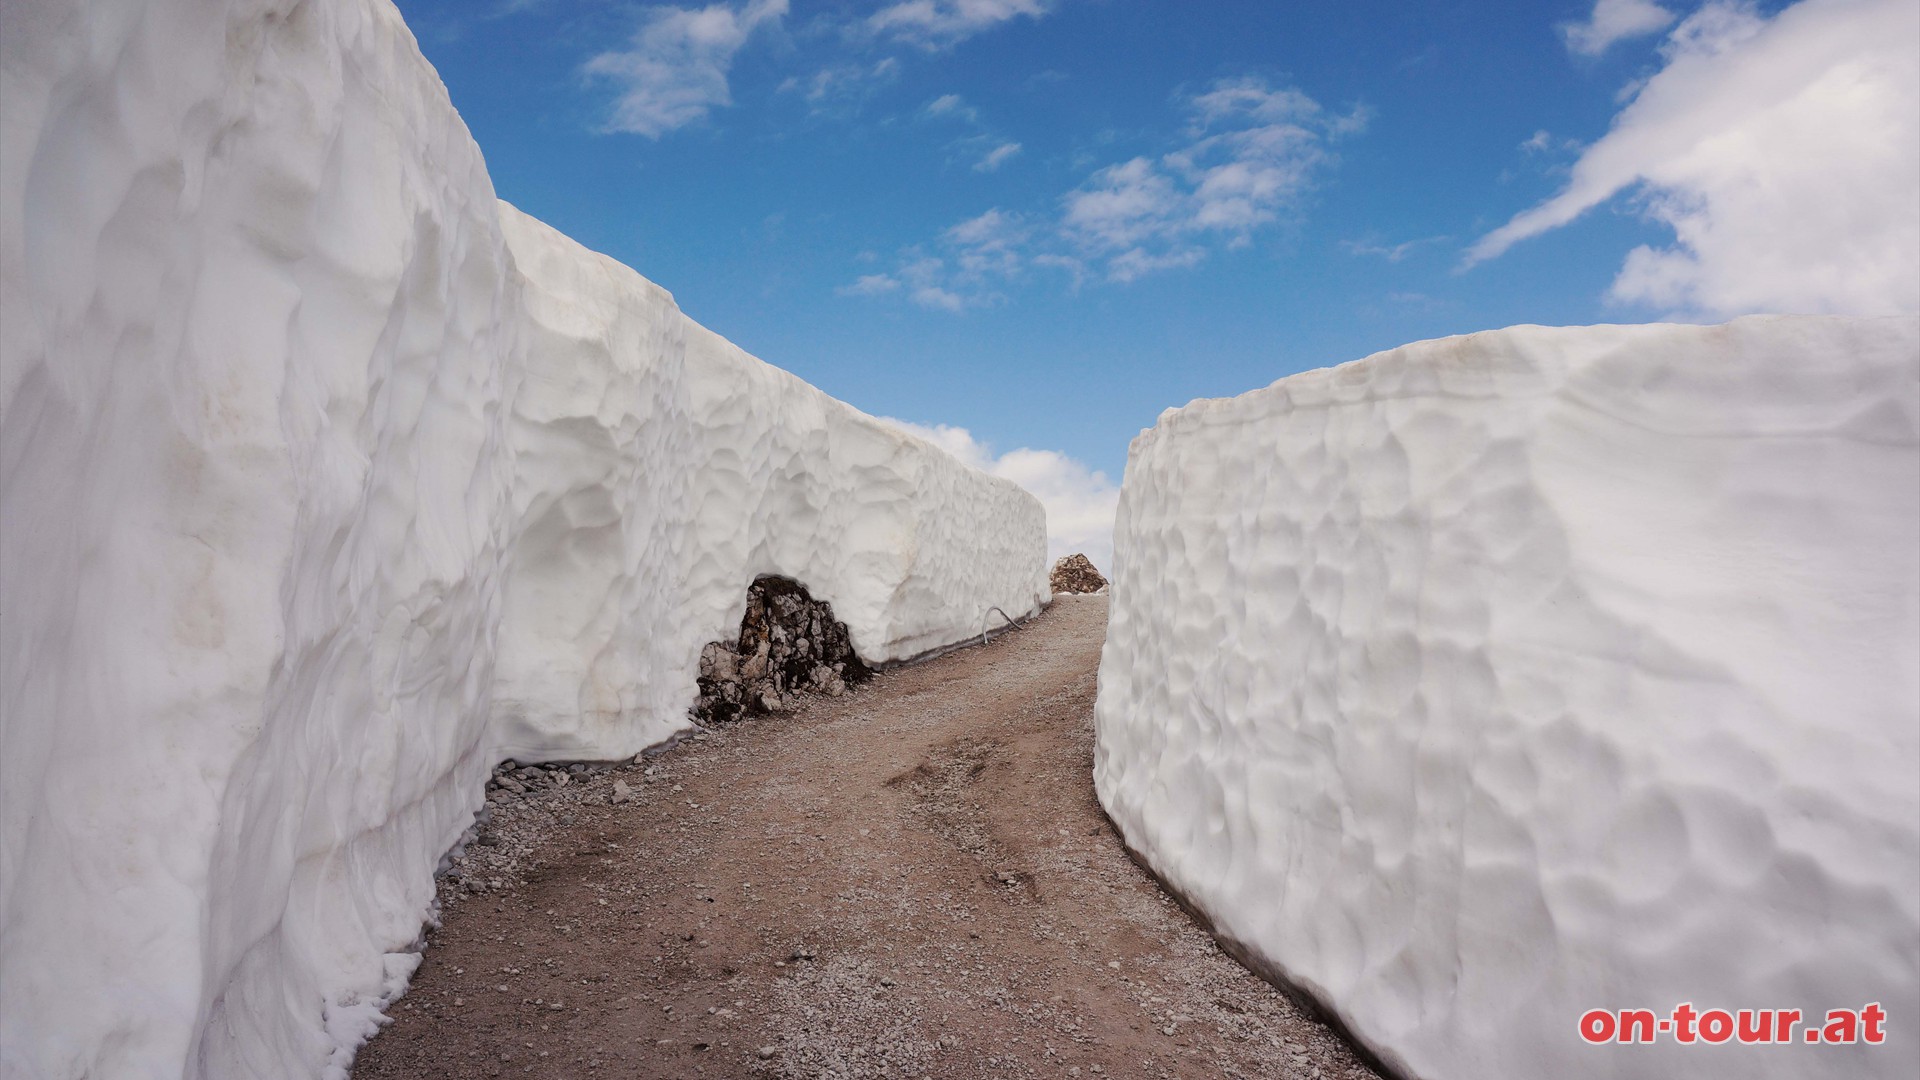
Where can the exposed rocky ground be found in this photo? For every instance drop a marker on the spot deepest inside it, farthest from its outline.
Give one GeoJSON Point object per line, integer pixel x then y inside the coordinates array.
{"type": "Point", "coordinates": [1075, 574]}
{"type": "Point", "coordinates": [790, 645]}
{"type": "Point", "coordinates": [912, 879]}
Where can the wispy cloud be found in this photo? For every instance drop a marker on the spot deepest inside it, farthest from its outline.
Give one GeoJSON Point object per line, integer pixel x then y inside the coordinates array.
{"type": "Point", "coordinates": [952, 105]}
{"type": "Point", "coordinates": [1080, 501]}
{"type": "Point", "coordinates": [966, 264]}
{"type": "Point", "coordinates": [1253, 151]}
{"type": "Point", "coordinates": [840, 89]}
{"type": "Point", "coordinates": [1244, 159]}
{"type": "Point", "coordinates": [941, 24]}
{"type": "Point", "coordinates": [1783, 153]}
{"type": "Point", "coordinates": [1544, 142]}
{"type": "Point", "coordinates": [984, 149]}
{"type": "Point", "coordinates": [870, 285]}
{"type": "Point", "coordinates": [674, 72]}
{"type": "Point", "coordinates": [996, 157]}
{"type": "Point", "coordinates": [1393, 253]}
{"type": "Point", "coordinates": [1614, 20]}
{"type": "Point", "coordinates": [505, 8]}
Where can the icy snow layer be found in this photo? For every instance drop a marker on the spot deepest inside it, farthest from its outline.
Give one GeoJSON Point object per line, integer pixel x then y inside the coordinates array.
{"type": "Point", "coordinates": [320, 490]}
{"type": "Point", "coordinates": [1492, 679]}
{"type": "Point", "coordinates": [660, 469]}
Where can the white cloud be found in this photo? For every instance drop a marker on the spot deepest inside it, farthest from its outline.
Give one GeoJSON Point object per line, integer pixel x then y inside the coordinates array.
{"type": "Point", "coordinates": [933, 296]}
{"type": "Point", "coordinates": [1393, 253]}
{"type": "Point", "coordinates": [1545, 142]}
{"type": "Point", "coordinates": [1783, 152]}
{"type": "Point", "coordinates": [938, 24]}
{"type": "Point", "coordinates": [1080, 501]}
{"type": "Point", "coordinates": [987, 150]}
{"type": "Point", "coordinates": [996, 157]}
{"type": "Point", "coordinates": [842, 88]}
{"type": "Point", "coordinates": [505, 8]}
{"type": "Point", "coordinates": [1124, 204]}
{"type": "Point", "coordinates": [952, 105]}
{"type": "Point", "coordinates": [1249, 152]}
{"type": "Point", "coordinates": [1614, 20]}
{"type": "Point", "coordinates": [931, 284]}
{"type": "Point", "coordinates": [972, 258]}
{"type": "Point", "coordinates": [1254, 151]}
{"type": "Point", "coordinates": [994, 234]}
{"type": "Point", "coordinates": [870, 285]}
{"type": "Point", "coordinates": [675, 71]}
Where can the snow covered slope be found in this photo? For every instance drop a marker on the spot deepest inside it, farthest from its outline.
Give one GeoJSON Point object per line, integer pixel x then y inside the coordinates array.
{"type": "Point", "coordinates": [326, 481]}
{"type": "Point", "coordinates": [1492, 679]}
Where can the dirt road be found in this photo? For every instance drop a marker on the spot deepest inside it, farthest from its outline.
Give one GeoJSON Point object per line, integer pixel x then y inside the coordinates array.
{"type": "Point", "coordinates": [913, 880]}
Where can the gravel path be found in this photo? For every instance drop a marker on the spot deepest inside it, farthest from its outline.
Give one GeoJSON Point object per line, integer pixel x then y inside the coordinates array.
{"type": "Point", "coordinates": [913, 880]}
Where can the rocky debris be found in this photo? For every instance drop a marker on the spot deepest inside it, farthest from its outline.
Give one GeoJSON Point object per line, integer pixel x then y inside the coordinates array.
{"type": "Point", "coordinates": [1076, 574]}
{"type": "Point", "coordinates": [790, 644]}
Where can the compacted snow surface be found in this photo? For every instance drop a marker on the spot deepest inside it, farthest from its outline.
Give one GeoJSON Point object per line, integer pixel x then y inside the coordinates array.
{"type": "Point", "coordinates": [1488, 680]}
{"type": "Point", "coordinates": [328, 482]}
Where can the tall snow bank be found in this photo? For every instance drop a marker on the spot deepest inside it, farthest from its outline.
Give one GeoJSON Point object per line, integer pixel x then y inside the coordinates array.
{"type": "Point", "coordinates": [659, 469]}
{"type": "Point", "coordinates": [1489, 680]}
{"type": "Point", "coordinates": [325, 482]}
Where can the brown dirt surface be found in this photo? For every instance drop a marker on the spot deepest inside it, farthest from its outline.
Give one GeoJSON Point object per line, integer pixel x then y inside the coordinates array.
{"type": "Point", "coordinates": [912, 880]}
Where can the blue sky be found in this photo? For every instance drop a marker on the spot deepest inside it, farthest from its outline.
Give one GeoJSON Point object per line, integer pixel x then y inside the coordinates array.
{"type": "Point", "coordinates": [1037, 223]}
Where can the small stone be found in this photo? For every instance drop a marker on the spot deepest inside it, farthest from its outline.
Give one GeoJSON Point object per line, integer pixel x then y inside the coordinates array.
{"type": "Point", "coordinates": [766, 1052]}
{"type": "Point", "coordinates": [621, 792]}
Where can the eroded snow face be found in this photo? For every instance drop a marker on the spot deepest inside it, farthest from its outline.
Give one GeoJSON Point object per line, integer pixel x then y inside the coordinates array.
{"type": "Point", "coordinates": [1493, 679]}
{"type": "Point", "coordinates": [659, 469]}
{"type": "Point", "coordinates": [302, 470]}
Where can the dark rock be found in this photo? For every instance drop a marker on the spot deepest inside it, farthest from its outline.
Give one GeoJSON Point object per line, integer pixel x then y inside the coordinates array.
{"type": "Point", "coordinates": [1076, 574]}
{"type": "Point", "coordinates": [789, 645]}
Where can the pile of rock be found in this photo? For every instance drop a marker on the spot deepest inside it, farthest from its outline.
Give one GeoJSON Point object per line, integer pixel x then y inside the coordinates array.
{"type": "Point", "coordinates": [1075, 574]}
{"type": "Point", "coordinates": [790, 644]}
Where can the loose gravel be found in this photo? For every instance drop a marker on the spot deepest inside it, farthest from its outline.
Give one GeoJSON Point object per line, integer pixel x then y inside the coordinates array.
{"type": "Point", "coordinates": [911, 880]}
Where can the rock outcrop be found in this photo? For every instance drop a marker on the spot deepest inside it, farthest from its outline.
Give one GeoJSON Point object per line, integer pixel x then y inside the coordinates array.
{"type": "Point", "coordinates": [1076, 574]}
{"type": "Point", "coordinates": [790, 645]}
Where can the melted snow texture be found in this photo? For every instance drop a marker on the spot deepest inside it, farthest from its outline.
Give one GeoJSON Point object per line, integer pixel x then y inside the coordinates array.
{"type": "Point", "coordinates": [1492, 679]}
{"type": "Point", "coordinates": [329, 481]}
{"type": "Point", "coordinates": [660, 469]}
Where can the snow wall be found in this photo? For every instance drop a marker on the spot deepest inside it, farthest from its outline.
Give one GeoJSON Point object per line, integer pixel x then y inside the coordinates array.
{"type": "Point", "coordinates": [1489, 680]}
{"type": "Point", "coordinates": [329, 481]}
